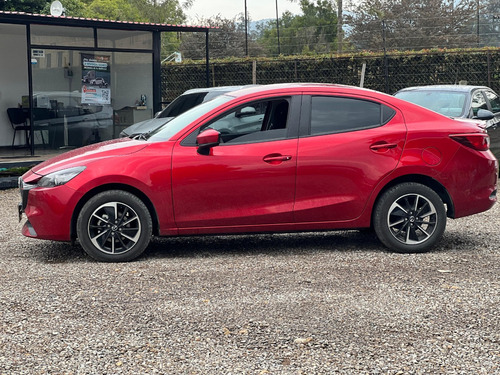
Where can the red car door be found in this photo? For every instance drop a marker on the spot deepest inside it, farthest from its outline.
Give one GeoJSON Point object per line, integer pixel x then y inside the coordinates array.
{"type": "Point", "coordinates": [347, 146]}
{"type": "Point", "coordinates": [246, 181]}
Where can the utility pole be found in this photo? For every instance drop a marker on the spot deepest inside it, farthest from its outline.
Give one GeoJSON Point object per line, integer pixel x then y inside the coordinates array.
{"type": "Point", "coordinates": [278, 28]}
{"type": "Point", "coordinates": [386, 63]}
{"type": "Point", "coordinates": [478, 37]}
{"type": "Point", "coordinates": [246, 29]}
{"type": "Point", "coordinates": [340, 31]}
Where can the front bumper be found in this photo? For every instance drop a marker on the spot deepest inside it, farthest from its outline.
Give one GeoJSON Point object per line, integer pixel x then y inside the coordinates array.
{"type": "Point", "coordinates": [49, 211]}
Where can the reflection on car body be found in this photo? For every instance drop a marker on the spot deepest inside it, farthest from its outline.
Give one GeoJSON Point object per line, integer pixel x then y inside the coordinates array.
{"type": "Point", "coordinates": [289, 157]}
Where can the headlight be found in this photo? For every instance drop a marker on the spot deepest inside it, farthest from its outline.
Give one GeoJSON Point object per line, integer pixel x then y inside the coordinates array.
{"type": "Point", "coordinates": [60, 177]}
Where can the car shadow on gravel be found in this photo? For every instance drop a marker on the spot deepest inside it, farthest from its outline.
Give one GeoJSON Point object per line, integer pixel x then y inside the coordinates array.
{"type": "Point", "coordinates": [234, 245]}
{"type": "Point", "coordinates": [52, 252]}
{"type": "Point", "coordinates": [268, 244]}
{"type": "Point", "coordinates": [290, 243]}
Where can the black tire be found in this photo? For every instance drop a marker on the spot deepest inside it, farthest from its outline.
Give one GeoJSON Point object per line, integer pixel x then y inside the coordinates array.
{"type": "Point", "coordinates": [409, 218]}
{"type": "Point", "coordinates": [114, 226]}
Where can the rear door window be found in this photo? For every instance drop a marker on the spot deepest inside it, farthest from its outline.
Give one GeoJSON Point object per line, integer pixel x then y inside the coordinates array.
{"type": "Point", "coordinates": [331, 114]}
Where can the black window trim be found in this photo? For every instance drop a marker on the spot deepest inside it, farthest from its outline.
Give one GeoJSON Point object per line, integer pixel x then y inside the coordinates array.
{"type": "Point", "coordinates": [292, 121]}
{"type": "Point", "coordinates": [306, 114]}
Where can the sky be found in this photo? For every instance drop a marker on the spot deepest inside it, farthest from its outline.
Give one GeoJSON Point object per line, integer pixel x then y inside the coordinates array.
{"type": "Point", "coordinates": [257, 9]}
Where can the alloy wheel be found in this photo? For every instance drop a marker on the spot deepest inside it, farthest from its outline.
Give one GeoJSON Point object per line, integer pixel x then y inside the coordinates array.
{"type": "Point", "coordinates": [412, 219]}
{"type": "Point", "coordinates": [114, 228]}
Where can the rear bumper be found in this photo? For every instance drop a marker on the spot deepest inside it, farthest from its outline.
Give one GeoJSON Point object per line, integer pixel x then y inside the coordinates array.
{"type": "Point", "coordinates": [473, 182]}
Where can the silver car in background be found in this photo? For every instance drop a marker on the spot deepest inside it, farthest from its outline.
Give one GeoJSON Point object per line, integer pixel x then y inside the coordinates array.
{"type": "Point", "coordinates": [460, 101]}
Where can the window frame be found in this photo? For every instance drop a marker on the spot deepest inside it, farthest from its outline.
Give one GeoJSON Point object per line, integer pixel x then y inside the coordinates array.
{"type": "Point", "coordinates": [291, 132]}
{"type": "Point", "coordinates": [489, 101]}
{"type": "Point", "coordinates": [306, 120]}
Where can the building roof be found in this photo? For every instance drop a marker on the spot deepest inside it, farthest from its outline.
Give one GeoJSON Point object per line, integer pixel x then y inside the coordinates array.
{"type": "Point", "coordinates": [44, 19]}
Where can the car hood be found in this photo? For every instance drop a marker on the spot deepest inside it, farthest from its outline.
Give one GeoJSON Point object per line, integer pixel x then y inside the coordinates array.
{"type": "Point", "coordinates": [145, 126]}
{"type": "Point", "coordinates": [84, 155]}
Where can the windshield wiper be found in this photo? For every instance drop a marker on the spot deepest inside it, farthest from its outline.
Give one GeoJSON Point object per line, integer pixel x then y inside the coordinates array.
{"type": "Point", "coordinates": [142, 136]}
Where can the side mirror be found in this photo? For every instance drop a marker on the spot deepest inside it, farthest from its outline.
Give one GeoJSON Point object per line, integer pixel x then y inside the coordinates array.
{"type": "Point", "coordinates": [206, 140]}
{"type": "Point", "coordinates": [247, 111]}
{"type": "Point", "coordinates": [484, 114]}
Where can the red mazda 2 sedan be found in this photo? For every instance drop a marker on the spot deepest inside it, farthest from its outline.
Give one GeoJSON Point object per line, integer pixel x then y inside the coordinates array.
{"type": "Point", "coordinates": [278, 158]}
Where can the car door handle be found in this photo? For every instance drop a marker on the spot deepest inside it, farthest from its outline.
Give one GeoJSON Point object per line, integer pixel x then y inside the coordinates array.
{"type": "Point", "coordinates": [382, 146]}
{"type": "Point", "coordinates": [276, 158]}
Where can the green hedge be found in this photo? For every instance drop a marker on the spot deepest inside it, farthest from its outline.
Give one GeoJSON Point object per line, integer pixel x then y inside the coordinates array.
{"type": "Point", "coordinates": [476, 67]}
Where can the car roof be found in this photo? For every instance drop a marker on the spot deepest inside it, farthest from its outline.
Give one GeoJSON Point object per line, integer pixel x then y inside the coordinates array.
{"type": "Point", "coordinates": [218, 88]}
{"type": "Point", "coordinates": [457, 88]}
{"type": "Point", "coordinates": [284, 87]}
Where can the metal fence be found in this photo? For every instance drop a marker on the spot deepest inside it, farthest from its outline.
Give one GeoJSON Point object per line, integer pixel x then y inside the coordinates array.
{"type": "Point", "coordinates": [386, 73]}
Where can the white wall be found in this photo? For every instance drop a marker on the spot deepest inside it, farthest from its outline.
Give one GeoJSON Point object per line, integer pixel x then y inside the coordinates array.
{"type": "Point", "coordinates": [13, 77]}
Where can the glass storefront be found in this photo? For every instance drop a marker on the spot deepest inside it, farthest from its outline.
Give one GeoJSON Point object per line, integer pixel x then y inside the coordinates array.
{"type": "Point", "coordinates": [69, 82]}
{"type": "Point", "coordinates": [80, 96]}
{"type": "Point", "coordinates": [85, 96]}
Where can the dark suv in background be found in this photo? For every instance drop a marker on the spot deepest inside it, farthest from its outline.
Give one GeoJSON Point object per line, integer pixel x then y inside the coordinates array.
{"type": "Point", "coordinates": [181, 104]}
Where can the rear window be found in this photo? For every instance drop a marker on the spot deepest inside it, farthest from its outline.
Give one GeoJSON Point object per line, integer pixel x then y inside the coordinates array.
{"type": "Point", "coordinates": [448, 103]}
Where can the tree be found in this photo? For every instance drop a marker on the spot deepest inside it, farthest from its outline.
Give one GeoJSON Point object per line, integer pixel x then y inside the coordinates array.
{"type": "Point", "coordinates": [72, 8]}
{"type": "Point", "coordinates": [166, 11]}
{"type": "Point", "coordinates": [489, 23]}
{"type": "Point", "coordinates": [28, 6]}
{"type": "Point", "coordinates": [314, 30]}
{"type": "Point", "coordinates": [227, 41]}
{"type": "Point", "coordinates": [411, 24]}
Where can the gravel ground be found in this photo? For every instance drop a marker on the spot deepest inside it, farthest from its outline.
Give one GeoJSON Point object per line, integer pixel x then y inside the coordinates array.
{"type": "Point", "coordinates": [315, 303]}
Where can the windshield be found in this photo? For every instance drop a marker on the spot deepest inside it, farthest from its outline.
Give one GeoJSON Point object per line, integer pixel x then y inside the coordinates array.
{"type": "Point", "coordinates": [448, 103]}
{"type": "Point", "coordinates": [181, 104]}
{"type": "Point", "coordinates": [178, 123]}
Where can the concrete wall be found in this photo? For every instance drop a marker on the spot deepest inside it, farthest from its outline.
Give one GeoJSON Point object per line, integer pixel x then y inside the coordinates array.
{"type": "Point", "coordinates": [13, 77]}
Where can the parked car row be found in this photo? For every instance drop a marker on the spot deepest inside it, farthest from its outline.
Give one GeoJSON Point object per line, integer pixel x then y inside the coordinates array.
{"type": "Point", "coordinates": [277, 158]}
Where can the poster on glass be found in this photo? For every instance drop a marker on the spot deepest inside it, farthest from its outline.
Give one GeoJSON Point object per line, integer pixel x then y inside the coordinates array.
{"type": "Point", "coordinates": [96, 79]}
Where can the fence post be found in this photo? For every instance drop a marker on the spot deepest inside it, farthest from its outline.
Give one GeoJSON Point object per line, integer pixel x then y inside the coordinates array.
{"type": "Point", "coordinates": [362, 80]}
{"type": "Point", "coordinates": [489, 68]}
{"type": "Point", "coordinates": [254, 72]}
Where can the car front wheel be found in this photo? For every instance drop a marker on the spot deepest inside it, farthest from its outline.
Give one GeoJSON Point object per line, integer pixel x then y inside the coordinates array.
{"type": "Point", "coordinates": [409, 218]}
{"type": "Point", "coordinates": [114, 226]}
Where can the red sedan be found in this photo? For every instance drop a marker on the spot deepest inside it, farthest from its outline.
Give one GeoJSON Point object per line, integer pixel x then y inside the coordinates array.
{"type": "Point", "coordinates": [278, 158]}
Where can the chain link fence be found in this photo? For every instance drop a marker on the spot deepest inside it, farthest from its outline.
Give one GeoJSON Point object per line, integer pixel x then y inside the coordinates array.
{"type": "Point", "coordinates": [386, 73]}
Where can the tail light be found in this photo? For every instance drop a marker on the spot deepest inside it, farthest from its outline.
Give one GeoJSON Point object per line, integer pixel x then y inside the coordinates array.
{"type": "Point", "coordinates": [476, 141]}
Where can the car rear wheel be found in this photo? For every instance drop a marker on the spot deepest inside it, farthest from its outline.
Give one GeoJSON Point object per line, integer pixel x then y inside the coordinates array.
{"type": "Point", "coordinates": [114, 226]}
{"type": "Point", "coordinates": [409, 218]}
